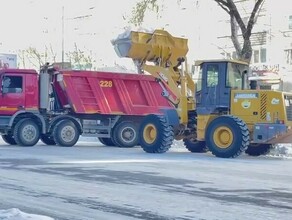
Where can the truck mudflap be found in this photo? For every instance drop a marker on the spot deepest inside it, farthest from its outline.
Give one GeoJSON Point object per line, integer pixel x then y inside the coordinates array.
{"type": "Point", "coordinates": [271, 133]}
{"type": "Point", "coordinates": [4, 123]}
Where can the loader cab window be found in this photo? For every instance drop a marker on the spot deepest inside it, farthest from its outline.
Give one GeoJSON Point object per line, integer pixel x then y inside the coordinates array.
{"type": "Point", "coordinates": [12, 84]}
{"type": "Point", "coordinates": [212, 75]}
{"type": "Point", "coordinates": [234, 78]}
{"type": "Point", "coordinates": [199, 81]}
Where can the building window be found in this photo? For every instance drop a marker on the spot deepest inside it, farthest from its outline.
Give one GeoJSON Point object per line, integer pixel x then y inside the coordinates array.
{"type": "Point", "coordinates": [256, 56]}
{"type": "Point", "coordinates": [288, 56]}
{"type": "Point", "coordinates": [290, 22]}
{"type": "Point", "coordinates": [263, 55]}
{"type": "Point", "coordinates": [260, 56]}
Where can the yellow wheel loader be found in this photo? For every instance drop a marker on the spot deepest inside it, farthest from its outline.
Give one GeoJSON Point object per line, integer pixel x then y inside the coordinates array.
{"type": "Point", "coordinates": [220, 112]}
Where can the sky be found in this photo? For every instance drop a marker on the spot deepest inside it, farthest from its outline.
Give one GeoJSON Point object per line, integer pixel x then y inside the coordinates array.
{"type": "Point", "coordinates": [93, 24]}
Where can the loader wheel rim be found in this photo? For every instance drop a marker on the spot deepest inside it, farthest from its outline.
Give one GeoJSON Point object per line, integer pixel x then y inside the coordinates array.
{"type": "Point", "coordinates": [29, 133]}
{"type": "Point", "coordinates": [223, 137]}
{"type": "Point", "coordinates": [150, 133]}
{"type": "Point", "coordinates": [68, 134]}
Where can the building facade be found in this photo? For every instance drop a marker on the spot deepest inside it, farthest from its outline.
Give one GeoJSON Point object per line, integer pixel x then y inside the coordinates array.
{"type": "Point", "coordinates": [271, 36]}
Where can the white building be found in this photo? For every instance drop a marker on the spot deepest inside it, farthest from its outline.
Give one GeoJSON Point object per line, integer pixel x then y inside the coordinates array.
{"type": "Point", "coordinates": [271, 36]}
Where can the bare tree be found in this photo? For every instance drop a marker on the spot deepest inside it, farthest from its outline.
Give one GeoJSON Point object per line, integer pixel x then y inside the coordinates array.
{"type": "Point", "coordinates": [79, 59]}
{"type": "Point", "coordinates": [32, 57]}
{"type": "Point", "coordinates": [244, 51]}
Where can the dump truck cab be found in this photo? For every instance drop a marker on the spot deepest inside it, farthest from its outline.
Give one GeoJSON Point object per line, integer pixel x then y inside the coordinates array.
{"type": "Point", "coordinates": [19, 91]}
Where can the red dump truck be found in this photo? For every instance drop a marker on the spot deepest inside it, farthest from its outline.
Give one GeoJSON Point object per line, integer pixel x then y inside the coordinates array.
{"type": "Point", "coordinates": [57, 106]}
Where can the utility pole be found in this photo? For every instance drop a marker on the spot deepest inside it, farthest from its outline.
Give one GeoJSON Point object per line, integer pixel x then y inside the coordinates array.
{"type": "Point", "coordinates": [63, 41]}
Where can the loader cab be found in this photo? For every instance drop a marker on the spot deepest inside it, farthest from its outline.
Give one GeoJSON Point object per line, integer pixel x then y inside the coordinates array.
{"type": "Point", "coordinates": [215, 81]}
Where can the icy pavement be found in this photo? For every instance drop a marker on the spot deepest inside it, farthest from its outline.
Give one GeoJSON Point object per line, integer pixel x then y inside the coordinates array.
{"type": "Point", "coordinates": [94, 182]}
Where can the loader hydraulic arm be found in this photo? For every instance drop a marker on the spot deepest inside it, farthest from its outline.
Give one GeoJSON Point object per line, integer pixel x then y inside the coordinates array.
{"type": "Point", "coordinates": [164, 57]}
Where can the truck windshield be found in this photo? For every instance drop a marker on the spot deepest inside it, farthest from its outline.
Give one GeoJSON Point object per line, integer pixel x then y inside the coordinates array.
{"type": "Point", "coordinates": [235, 75]}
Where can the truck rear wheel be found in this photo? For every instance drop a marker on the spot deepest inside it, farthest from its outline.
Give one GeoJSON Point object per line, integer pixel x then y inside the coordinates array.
{"type": "Point", "coordinates": [9, 139]}
{"type": "Point", "coordinates": [107, 141]}
{"type": "Point", "coordinates": [48, 139]}
{"type": "Point", "coordinates": [65, 133]}
{"type": "Point", "coordinates": [227, 136]}
{"type": "Point", "coordinates": [156, 135]}
{"type": "Point", "coordinates": [125, 134]}
{"type": "Point", "coordinates": [26, 133]}
{"type": "Point", "coordinates": [195, 146]}
{"type": "Point", "coordinates": [258, 149]}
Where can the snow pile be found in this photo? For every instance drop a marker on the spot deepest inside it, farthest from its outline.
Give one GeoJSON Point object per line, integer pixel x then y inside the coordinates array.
{"type": "Point", "coordinates": [123, 42]}
{"type": "Point", "coordinates": [16, 214]}
{"type": "Point", "coordinates": [126, 34]}
{"type": "Point", "coordinates": [281, 150]}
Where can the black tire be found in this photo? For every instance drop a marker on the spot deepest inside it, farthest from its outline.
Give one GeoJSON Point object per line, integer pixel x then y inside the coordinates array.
{"type": "Point", "coordinates": [48, 139]}
{"type": "Point", "coordinates": [26, 133]}
{"type": "Point", "coordinates": [65, 133]}
{"type": "Point", "coordinates": [258, 149]}
{"type": "Point", "coordinates": [107, 142]}
{"type": "Point", "coordinates": [126, 134]}
{"type": "Point", "coordinates": [9, 139]}
{"type": "Point", "coordinates": [195, 146]}
{"type": "Point", "coordinates": [227, 136]}
{"type": "Point", "coordinates": [156, 135]}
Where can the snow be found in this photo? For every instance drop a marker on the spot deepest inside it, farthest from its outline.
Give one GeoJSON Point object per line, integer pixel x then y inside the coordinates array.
{"type": "Point", "coordinates": [91, 181]}
{"type": "Point", "coordinates": [16, 214]}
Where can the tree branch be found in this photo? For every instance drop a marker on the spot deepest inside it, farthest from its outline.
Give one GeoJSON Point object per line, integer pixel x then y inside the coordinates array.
{"type": "Point", "coordinates": [252, 19]}
{"type": "Point", "coordinates": [223, 5]}
{"type": "Point", "coordinates": [234, 11]}
{"type": "Point", "coordinates": [234, 35]}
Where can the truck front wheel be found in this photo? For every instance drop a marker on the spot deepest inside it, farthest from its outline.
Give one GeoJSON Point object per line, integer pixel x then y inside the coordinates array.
{"type": "Point", "coordinates": [65, 133]}
{"type": "Point", "coordinates": [26, 132]}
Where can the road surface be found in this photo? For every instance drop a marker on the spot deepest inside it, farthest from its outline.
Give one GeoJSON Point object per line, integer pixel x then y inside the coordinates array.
{"type": "Point", "coordinates": [93, 182]}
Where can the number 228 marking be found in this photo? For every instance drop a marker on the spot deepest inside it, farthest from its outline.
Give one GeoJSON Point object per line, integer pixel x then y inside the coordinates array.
{"type": "Point", "coordinates": [105, 83]}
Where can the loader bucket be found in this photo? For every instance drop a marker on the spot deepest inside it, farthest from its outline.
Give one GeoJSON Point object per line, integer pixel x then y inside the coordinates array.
{"type": "Point", "coordinates": [151, 46]}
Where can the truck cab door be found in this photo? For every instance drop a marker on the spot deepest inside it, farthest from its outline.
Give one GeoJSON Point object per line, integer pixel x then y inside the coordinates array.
{"type": "Point", "coordinates": [12, 96]}
{"type": "Point", "coordinates": [214, 95]}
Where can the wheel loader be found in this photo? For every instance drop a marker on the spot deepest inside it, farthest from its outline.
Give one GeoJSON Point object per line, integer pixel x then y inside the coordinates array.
{"type": "Point", "coordinates": [221, 111]}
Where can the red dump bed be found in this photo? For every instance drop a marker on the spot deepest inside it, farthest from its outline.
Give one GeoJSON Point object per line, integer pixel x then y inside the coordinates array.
{"type": "Point", "coordinates": [89, 92]}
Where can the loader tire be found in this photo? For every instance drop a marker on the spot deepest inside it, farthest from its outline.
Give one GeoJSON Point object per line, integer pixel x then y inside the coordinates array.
{"type": "Point", "coordinates": [9, 139]}
{"type": "Point", "coordinates": [107, 141]}
{"type": "Point", "coordinates": [65, 133]}
{"type": "Point", "coordinates": [227, 136]}
{"type": "Point", "coordinates": [48, 139]}
{"type": "Point", "coordinates": [156, 135]}
{"type": "Point", "coordinates": [126, 134]}
{"type": "Point", "coordinates": [195, 146]}
{"type": "Point", "coordinates": [258, 149]}
{"type": "Point", "coordinates": [26, 133]}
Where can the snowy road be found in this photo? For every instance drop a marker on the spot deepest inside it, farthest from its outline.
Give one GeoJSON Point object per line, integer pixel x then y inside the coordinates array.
{"type": "Point", "coordinates": [93, 182]}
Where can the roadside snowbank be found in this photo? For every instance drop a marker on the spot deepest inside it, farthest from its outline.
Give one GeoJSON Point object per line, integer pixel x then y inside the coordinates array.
{"type": "Point", "coordinates": [16, 214]}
